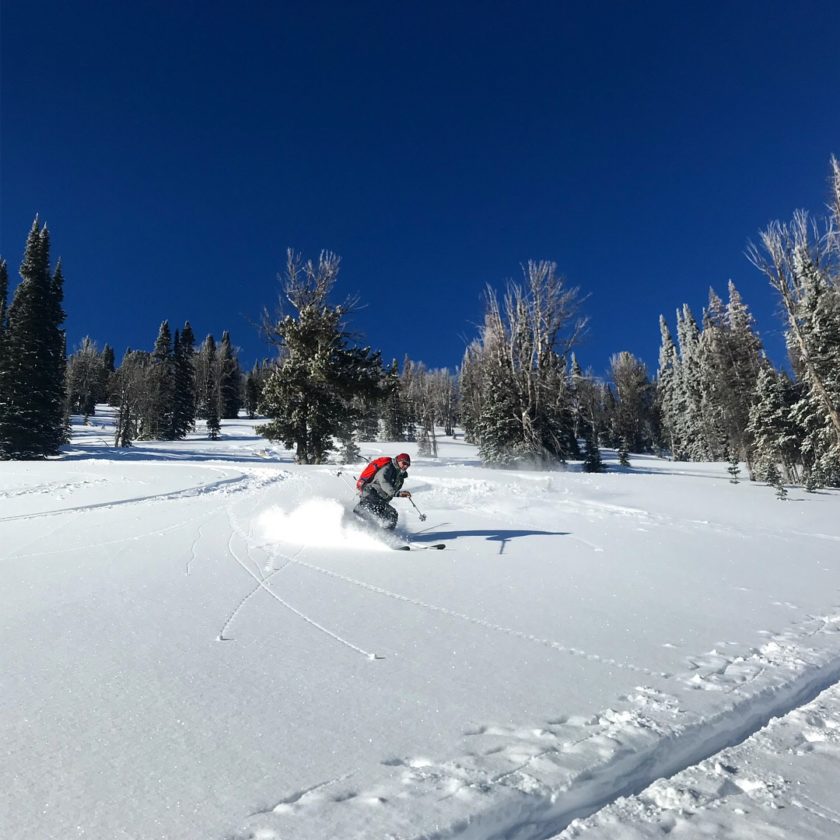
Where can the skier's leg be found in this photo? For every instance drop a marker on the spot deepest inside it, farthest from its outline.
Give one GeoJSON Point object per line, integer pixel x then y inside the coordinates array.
{"type": "Point", "coordinates": [375, 511]}
{"type": "Point", "coordinates": [389, 516]}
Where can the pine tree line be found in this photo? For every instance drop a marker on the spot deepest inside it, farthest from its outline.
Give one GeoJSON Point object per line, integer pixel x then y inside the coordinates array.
{"type": "Point", "coordinates": [706, 381]}
{"type": "Point", "coordinates": [520, 394]}
{"type": "Point", "coordinates": [718, 396]}
{"type": "Point", "coordinates": [160, 394]}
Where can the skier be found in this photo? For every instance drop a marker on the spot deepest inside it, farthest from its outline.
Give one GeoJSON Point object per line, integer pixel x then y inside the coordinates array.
{"type": "Point", "coordinates": [380, 481]}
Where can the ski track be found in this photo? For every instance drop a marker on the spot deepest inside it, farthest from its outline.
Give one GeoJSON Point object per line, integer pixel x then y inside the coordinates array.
{"type": "Point", "coordinates": [592, 657]}
{"type": "Point", "coordinates": [262, 583]}
{"type": "Point", "coordinates": [531, 783]}
{"type": "Point", "coordinates": [242, 482]}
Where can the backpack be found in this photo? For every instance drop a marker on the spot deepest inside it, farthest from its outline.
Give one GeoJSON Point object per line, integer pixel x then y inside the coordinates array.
{"type": "Point", "coordinates": [371, 470]}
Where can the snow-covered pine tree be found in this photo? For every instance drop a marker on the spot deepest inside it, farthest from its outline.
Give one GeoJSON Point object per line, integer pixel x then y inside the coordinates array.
{"type": "Point", "coordinates": [32, 391]}
{"type": "Point", "coordinates": [771, 429]}
{"type": "Point", "coordinates": [230, 380]}
{"type": "Point", "coordinates": [497, 430]}
{"type": "Point", "coordinates": [632, 417]}
{"type": "Point", "coordinates": [733, 356]}
{"type": "Point", "coordinates": [309, 393]}
{"type": "Point", "coordinates": [349, 452]}
{"type": "Point", "coordinates": [183, 416]}
{"type": "Point", "coordinates": [471, 390]}
{"type": "Point", "coordinates": [819, 321]}
{"type": "Point", "coordinates": [526, 340]}
{"type": "Point", "coordinates": [444, 397]}
{"type": "Point", "coordinates": [86, 379]}
{"type": "Point", "coordinates": [667, 396]}
{"type": "Point", "coordinates": [696, 428]}
{"type": "Point", "coordinates": [803, 266]}
{"type": "Point", "coordinates": [129, 388]}
{"type": "Point", "coordinates": [430, 394]}
{"type": "Point", "coordinates": [424, 444]}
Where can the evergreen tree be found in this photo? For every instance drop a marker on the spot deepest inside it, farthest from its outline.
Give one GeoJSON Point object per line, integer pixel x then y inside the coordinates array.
{"type": "Point", "coordinates": [771, 427]}
{"type": "Point", "coordinates": [183, 415]}
{"type": "Point", "coordinates": [632, 417]}
{"type": "Point", "coordinates": [734, 469]}
{"type": "Point", "coordinates": [129, 386]}
{"type": "Point", "coordinates": [158, 420]}
{"type": "Point", "coordinates": [4, 292]}
{"type": "Point", "coordinates": [623, 454]}
{"type": "Point", "coordinates": [349, 452]}
{"type": "Point", "coordinates": [592, 462]}
{"type": "Point", "coordinates": [110, 369]}
{"type": "Point", "coordinates": [526, 415]}
{"type": "Point", "coordinates": [253, 388]}
{"type": "Point", "coordinates": [667, 393]}
{"type": "Point", "coordinates": [230, 380]}
{"type": "Point", "coordinates": [32, 362]}
{"type": "Point", "coordinates": [394, 418]}
{"type": "Point", "coordinates": [497, 430]}
{"type": "Point", "coordinates": [803, 266]}
{"type": "Point", "coordinates": [310, 392]}
{"type": "Point", "coordinates": [424, 445]}
{"type": "Point", "coordinates": [732, 356]}
{"type": "Point", "coordinates": [207, 387]}
{"type": "Point", "coordinates": [86, 379]}
{"type": "Point", "coordinates": [703, 439]}
{"type": "Point", "coordinates": [470, 387]}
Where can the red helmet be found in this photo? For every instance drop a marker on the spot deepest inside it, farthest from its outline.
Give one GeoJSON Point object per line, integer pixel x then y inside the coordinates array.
{"type": "Point", "coordinates": [403, 457]}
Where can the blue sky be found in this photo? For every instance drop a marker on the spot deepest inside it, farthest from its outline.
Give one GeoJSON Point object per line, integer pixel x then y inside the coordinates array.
{"type": "Point", "coordinates": [177, 149]}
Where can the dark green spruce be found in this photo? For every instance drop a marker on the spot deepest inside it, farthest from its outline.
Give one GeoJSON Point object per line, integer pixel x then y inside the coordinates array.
{"type": "Point", "coordinates": [32, 362]}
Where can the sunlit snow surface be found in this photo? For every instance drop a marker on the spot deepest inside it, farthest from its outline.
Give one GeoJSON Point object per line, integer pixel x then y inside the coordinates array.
{"type": "Point", "coordinates": [200, 641]}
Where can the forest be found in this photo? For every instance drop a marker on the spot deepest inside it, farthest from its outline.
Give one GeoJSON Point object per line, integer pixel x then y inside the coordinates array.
{"type": "Point", "coordinates": [519, 392]}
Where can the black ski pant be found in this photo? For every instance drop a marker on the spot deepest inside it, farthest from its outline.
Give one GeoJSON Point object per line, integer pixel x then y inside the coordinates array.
{"type": "Point", "coordinates": [375, 509]}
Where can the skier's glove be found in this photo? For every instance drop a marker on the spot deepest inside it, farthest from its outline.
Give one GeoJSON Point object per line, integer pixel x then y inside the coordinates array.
{"type": "Point", "coordinates": [404, 494]}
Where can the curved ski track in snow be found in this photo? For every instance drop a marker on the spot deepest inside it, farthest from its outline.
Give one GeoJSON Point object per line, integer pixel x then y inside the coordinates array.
{"type": "Point", "coordinates": [242, 481]}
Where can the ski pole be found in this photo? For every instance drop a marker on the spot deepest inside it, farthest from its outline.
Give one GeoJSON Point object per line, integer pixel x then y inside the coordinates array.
{"type": "Point", "coordinates": [340, 474]}
{"type": "Point", "coordinates": [421, 515]}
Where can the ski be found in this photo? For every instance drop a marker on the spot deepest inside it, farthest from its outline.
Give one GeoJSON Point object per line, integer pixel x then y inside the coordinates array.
{"type": "Point", "coordinates": [415, 547]}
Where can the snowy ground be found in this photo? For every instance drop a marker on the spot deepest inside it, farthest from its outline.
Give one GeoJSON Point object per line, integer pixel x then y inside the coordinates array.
{"type": "Point", "coordinates": [198, 645]}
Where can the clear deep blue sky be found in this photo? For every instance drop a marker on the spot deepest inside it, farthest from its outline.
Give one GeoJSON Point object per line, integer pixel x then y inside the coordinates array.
{"type": "Point", "coordinates": [176, 149]}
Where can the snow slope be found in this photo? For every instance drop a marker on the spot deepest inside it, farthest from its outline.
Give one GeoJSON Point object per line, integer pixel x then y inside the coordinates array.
{"type": "Point", "coordinates": [198, 643]}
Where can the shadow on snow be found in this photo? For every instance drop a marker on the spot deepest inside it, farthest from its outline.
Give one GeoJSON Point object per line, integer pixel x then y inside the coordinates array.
{"type": "Point", "coordinates": [491, 534]}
